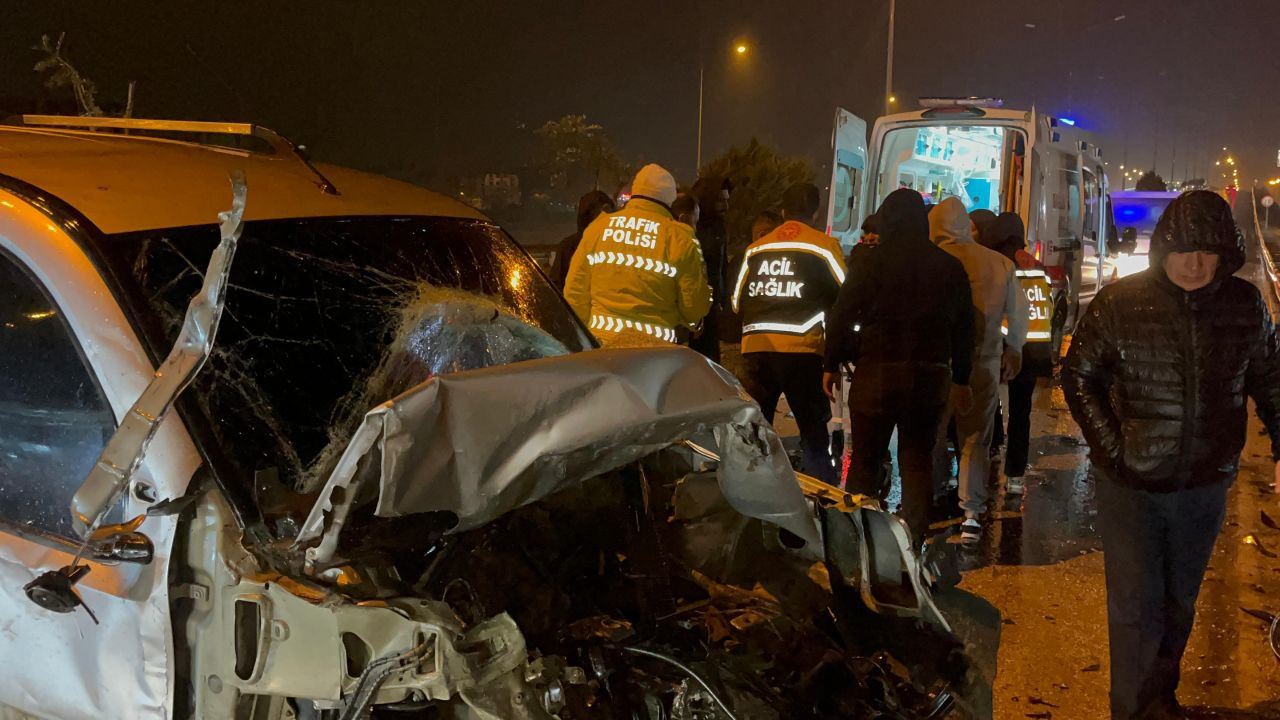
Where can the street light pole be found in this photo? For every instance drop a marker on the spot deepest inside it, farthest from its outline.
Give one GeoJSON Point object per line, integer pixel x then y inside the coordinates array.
{"type": "Point", "coordinates": [888, 63]}
{"type": "Point", "coordinates": [697, 168]}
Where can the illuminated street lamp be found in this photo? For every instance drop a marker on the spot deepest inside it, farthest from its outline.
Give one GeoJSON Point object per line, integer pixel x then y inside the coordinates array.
{"type": "Point", "coordinates": [740, 50]}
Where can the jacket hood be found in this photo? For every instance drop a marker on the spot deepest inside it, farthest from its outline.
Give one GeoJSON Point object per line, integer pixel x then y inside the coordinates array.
{"type": "Point", "coordinates": [871, 224]}
{"type": "Point", "coordinates": [1006, 235]}
{"type": "Point", "coordinates": [1199, 221]}
{"type": "Point", "coordinates": [950, 222]}
{"type": "Point", "coordinates": [903, 218]}
{"type": "Point", "coordinates": [982, 219]}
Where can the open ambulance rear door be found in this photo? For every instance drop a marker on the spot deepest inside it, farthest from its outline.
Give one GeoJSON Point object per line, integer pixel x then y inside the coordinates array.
{"type": "Point", "coordinates": [845, 214]}
{"type": "Point", "coordinates": [848, 168]}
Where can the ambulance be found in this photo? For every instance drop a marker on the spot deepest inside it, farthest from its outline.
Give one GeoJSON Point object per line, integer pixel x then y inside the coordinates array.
{"type": "Point", "coordinates": [1042, 167]}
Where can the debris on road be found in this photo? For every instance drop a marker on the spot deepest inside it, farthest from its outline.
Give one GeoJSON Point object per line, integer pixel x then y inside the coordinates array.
{"type": "Point", "coordinates": [1266, 520]}
{"type": "Point", "coordinates": [1253, 540]}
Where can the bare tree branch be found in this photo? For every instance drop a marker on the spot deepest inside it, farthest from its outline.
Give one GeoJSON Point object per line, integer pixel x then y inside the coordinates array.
{"type": "Point", "coordinates": [63, 74]}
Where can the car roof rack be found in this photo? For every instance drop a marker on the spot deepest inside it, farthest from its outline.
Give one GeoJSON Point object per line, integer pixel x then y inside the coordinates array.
{"type": "Point", "coordinates": [280, 145]}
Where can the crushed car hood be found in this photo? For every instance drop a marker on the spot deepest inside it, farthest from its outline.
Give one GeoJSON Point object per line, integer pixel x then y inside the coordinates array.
{"type": "Point", "coordinates": [481, 443]}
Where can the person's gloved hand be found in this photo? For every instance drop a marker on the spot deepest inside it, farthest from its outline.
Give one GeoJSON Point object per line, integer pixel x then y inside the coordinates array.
{"type": "Point", "coordinates": [831, 382]}
{"type": "Point", "coordinates": [1010, 365]}
{"type": "Point", "coordinates": [961, 399]}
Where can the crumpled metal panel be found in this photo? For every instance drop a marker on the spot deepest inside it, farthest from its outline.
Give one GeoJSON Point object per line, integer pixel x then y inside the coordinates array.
{"type": "Point", "coordinates": [125, 450]}
{"type": "Point", "coordinates": [484, 442]}
{"type": "Point", "coordinates": [302, 652]}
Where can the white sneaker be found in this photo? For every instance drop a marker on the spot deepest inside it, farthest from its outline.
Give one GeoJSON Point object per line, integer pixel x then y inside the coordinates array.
{"type": "Point", "coordinates": [970, 529]}
{"type": "Point", "coordinates": [1015, 485]}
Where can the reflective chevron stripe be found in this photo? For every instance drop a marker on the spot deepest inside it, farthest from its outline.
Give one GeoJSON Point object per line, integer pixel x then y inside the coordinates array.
{"type": "Point", "coordinates": [613, 324]}
{"type": "Point", "coordinates": [608, 257]}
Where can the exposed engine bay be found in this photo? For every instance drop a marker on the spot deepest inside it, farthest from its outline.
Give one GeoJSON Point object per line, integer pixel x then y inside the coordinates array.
{"type": "Point", "coordinates": [654, 589]}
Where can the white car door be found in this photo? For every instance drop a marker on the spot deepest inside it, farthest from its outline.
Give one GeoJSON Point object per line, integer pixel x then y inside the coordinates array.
{"type": "Point", "coordinates": [70, 367]}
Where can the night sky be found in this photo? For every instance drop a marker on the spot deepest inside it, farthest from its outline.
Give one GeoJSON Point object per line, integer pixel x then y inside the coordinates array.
{"type": "Point", "coordinates": [437, 90]}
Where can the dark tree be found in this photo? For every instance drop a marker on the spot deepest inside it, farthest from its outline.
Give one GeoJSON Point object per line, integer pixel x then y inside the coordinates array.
{"type": "Point", "coordinates": [1151, 182]}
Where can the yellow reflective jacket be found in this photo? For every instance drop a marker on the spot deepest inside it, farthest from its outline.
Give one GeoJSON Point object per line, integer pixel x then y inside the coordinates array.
{"type": "Point", "coordinates": [637, 276]}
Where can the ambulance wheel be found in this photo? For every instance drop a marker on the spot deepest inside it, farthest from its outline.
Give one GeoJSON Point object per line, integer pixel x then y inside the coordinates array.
{"type": "Point", "coordinates": [1064, 320]}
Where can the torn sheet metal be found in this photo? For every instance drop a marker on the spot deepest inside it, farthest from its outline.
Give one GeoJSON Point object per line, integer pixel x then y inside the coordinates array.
{"type": "Point", "coordinates": [319, 647]}
{"type": "Point", "coordinates": [124, 452]}
{"type": "Point", "coordinates": [484, 442]}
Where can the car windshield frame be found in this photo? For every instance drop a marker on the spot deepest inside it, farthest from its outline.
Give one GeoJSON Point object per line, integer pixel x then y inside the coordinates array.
{"type": "Point", "coordinates": [521, 298]}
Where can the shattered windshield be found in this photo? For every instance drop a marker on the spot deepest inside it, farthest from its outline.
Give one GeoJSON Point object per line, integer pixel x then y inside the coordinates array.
{"type": "Point", "coordinates": [326, 318]}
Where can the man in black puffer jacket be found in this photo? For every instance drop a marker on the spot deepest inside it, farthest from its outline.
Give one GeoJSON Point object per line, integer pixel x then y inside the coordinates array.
{"type": "Point", "coordinates": [1157, 378]}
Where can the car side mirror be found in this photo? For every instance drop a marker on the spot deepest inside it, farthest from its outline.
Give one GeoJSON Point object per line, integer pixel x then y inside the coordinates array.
{"type": "Point", "coordinates": [120, 543]}
{"type": "Point", "coordinates": [55, 590]}
{"type": "Point", "coordinates": [133, 547]}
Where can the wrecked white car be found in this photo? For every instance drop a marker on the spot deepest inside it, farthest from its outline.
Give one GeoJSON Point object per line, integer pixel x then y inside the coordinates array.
{"type": "Point", "coordinates": [394, 483]}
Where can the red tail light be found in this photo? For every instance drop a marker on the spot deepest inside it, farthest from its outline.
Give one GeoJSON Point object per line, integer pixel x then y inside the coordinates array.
{"type": "Point", "coordinates": [1057, 274]}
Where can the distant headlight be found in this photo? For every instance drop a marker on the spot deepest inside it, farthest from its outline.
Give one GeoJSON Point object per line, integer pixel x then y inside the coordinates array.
{"type": "Point", "coordinates": [1127, 264]}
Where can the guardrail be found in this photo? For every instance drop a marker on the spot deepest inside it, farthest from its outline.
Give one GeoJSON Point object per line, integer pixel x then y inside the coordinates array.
{"type": "Point", "coordinates": [1267, 261]}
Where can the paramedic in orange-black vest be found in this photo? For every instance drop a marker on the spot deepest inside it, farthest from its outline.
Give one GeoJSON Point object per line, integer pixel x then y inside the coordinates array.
{"type": "Point", "coordinates": [786, 284]}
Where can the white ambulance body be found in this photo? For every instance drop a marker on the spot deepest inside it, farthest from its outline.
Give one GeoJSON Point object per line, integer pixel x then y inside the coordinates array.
{"type": "Point", "coordinates": [1040, 167]}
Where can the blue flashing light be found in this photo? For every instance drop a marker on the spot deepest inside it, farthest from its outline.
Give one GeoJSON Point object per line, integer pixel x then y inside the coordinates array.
{"type": "Point", "coordinates": [1067, 121]}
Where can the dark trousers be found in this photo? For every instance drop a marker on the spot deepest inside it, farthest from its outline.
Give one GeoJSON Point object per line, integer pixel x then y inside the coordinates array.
{"type": "Point", "coordinates": [1156, 547]}
{"type": "Point", "coordinates": [910, 397]}
{"type": "Point", "coordinates": [1021, 389]}
{"type": "Point", "coordinates": [708, 343]}
{"type": "Point", "coordinates": [770, 375]}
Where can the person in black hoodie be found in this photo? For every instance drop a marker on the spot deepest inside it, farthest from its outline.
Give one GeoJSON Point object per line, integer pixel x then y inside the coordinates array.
{"type": "Point", "coordinates": [589, 207]}
{"type": "Point", "coordinates": [712, 194]}
{"type": "Point", "coordinates": [1157, 378]}
{"type": "Point", "coordinates": [910, 350]}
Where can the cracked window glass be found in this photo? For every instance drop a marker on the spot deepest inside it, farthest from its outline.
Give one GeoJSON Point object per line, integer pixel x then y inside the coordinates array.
{"type": "Point", "coordinates": [327, 318]}
{"type": "Point", "coordinates": [54, 419]}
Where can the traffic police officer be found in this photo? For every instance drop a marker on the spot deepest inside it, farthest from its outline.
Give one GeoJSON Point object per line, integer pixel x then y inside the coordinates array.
{"type": "Point", "coordinates": [638, 275]}
{"type": "Point", "coordinates": [787, 283]}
